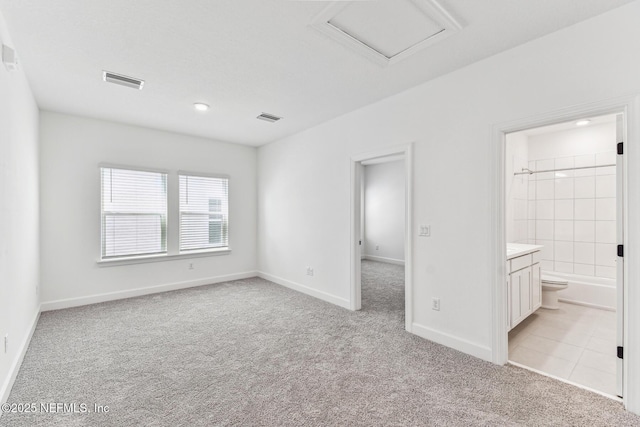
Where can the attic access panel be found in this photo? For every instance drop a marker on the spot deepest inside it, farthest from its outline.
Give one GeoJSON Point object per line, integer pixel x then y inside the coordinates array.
{"type": "Point", "coordinates": [386, 31]}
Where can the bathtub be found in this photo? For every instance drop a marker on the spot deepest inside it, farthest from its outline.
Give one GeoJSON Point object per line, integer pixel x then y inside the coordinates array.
{"type": "Point", "coordinates": [598, 292]}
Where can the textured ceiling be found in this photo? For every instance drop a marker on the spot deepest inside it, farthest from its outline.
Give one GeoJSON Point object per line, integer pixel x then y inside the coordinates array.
{"type": "Point", "coordinates": [242, 57]}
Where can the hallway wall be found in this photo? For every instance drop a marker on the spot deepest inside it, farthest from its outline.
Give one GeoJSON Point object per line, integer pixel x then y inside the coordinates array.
{"type": "Point", "coordinates": [384, 211]}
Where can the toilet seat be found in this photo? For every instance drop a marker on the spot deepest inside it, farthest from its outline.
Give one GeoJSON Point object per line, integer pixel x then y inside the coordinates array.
{"type": "Point", "coordinates": [552, 280]}
{"type": "Point", "coordinates": [553, 286]}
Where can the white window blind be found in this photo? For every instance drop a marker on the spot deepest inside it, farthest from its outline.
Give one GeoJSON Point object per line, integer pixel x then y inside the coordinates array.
{"type": "Point", "coordinates": [134, 212]}
{"type": "Point", "coordinates": [204, 212]}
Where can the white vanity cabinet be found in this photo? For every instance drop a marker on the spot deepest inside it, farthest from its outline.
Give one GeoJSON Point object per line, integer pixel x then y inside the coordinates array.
{"type": "Point", "coordinates": [524, 286]}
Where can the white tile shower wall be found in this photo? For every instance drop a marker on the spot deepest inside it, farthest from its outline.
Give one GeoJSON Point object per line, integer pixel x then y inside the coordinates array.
{"type": "Point", "coordinates": [521, 205]}
{"type": "Point", "coordinates": [517, 188]}
{"type": "Point", "coordinates": [573, 212]}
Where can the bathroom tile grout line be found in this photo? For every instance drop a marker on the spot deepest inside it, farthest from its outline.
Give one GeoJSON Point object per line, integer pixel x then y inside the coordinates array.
{"type": "Point", "coordinates": [573, 177]}
{"type": "Point", "coordinates": [577, 362]}
{"type": "Point", "coordinates": [597, 322]}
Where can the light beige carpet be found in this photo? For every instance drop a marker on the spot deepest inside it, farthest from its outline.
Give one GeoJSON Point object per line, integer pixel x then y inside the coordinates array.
{"type": "Point", "coordinates": [249, 353]}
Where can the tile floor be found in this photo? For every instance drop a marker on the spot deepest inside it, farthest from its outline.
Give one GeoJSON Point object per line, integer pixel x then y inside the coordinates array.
{"type": "Point", "coordinates": [575, 343]}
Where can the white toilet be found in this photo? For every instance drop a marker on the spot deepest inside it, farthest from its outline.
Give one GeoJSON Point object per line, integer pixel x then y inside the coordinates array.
{"type": "Point", "coordinates": [550, 287]}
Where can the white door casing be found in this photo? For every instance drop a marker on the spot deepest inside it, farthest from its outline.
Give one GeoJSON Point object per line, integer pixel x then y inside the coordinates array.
{"type": "Point", "coordinates": [356, 227]}
{"type": "Point", "coordinates": [620, 208]}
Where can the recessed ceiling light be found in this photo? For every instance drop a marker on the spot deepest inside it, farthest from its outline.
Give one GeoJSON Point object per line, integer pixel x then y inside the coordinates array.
{"type": "Point", "coordinates": [199, 106]}
{"type": "Point", "coordinates": [583, 122]}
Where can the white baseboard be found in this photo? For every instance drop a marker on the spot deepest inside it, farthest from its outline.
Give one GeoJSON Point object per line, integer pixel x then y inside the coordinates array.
{"type": "Point", "coordinates": [130, 293]}
{"type": "Point", "coordinates": [17, 363]}
{"type": "Point", "coordinates": [306, 290]}
{"type": "Point", "coordinates": [448, 340]}
{"type": "Point", "coordinates": [384, 259]}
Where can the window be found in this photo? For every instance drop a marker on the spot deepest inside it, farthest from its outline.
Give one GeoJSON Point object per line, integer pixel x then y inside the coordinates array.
{"type": "Point", "coordinates": [204, 212]}
{"type": "Point", "coordinates": [134, 212]}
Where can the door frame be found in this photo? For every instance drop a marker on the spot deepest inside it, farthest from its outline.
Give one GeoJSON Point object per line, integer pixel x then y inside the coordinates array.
{"type": "Point", "coordinates": [356, 220]}
{"type": "Point", "coordinates": [629, 106]}
{"type": "Point", "coordinates": [621, 186]}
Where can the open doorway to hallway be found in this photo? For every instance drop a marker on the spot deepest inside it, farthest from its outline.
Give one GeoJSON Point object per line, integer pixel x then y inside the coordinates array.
{"type": "Point", "coordinates": [564, 218]}
{"type": "Point", "coordinates": [385, 201]}
{"type": "Point", "coordinates": [382, 235]}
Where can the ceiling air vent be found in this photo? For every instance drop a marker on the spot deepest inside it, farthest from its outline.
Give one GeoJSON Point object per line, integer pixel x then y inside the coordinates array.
{"type": "Point", "coordinates": [119, 79]}
{"type": "Point", "coordinates": [268, 117]}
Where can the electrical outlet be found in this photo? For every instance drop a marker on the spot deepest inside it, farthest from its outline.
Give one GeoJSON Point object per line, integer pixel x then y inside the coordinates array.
{"type": "Point", "coordinates": [377, 248]}
{"type": "Point", "coordinates": [309, 271]}
{"type": "Point", "coordinates": [191, 266]}
{"type": "Point", "coordinates": [435, 304]}
{"type": "Point", "coordinates": [6, 343]}
{"type": "Point", "coordinates": [425, 231]}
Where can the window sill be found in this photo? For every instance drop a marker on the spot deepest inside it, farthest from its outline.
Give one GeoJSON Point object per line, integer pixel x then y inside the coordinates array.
{"type": "Point", "coordinates": [111, 262]}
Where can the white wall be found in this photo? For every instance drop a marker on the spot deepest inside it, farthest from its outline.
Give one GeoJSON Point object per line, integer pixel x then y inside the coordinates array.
{"type": "Point", "coordinates": [19, 244]}
{"type": "Point", "coordinates": [581, 140]}
{"type": "Point", "coordinates": [384, 206]}
{"type": "Point", "coordinates": [304, 180]}
{"type": "Point", "coordinates": [516, 188]}
{"type": "Point", "coordinates": [574, 212]}
{"type": "Point", "coordinates": [71, 150]}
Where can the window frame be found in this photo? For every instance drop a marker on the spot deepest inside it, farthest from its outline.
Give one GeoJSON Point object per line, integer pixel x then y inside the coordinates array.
{"type": "Point", "coordinates": [173, 207]}
{"type": "Point", "coordinates": [217, 249]}
{"type": "Point", "coordinates": [164, 225]}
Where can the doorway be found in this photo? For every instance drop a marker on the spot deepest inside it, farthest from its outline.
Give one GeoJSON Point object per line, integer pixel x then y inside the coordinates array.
{"type": "Point", "coordinates": [382, 236]}
{"type": "Point", "coordinates": [385, 246]}
{"type": "Point", "coordinates": [564, 219]}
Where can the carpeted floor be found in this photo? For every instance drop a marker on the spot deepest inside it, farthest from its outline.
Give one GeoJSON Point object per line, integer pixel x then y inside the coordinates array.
{"type": "Point", "coordinates": [251, 352]}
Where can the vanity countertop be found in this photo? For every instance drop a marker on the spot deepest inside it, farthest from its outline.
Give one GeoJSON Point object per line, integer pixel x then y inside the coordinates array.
{"type": "Point", "coordinates": [518, 249]}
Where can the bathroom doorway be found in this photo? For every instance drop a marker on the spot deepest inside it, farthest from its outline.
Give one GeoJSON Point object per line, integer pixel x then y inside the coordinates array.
{"type": "Point", "coordinates": [381, 241]}
{"type": "Point", "coordinates": [563, 224]}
